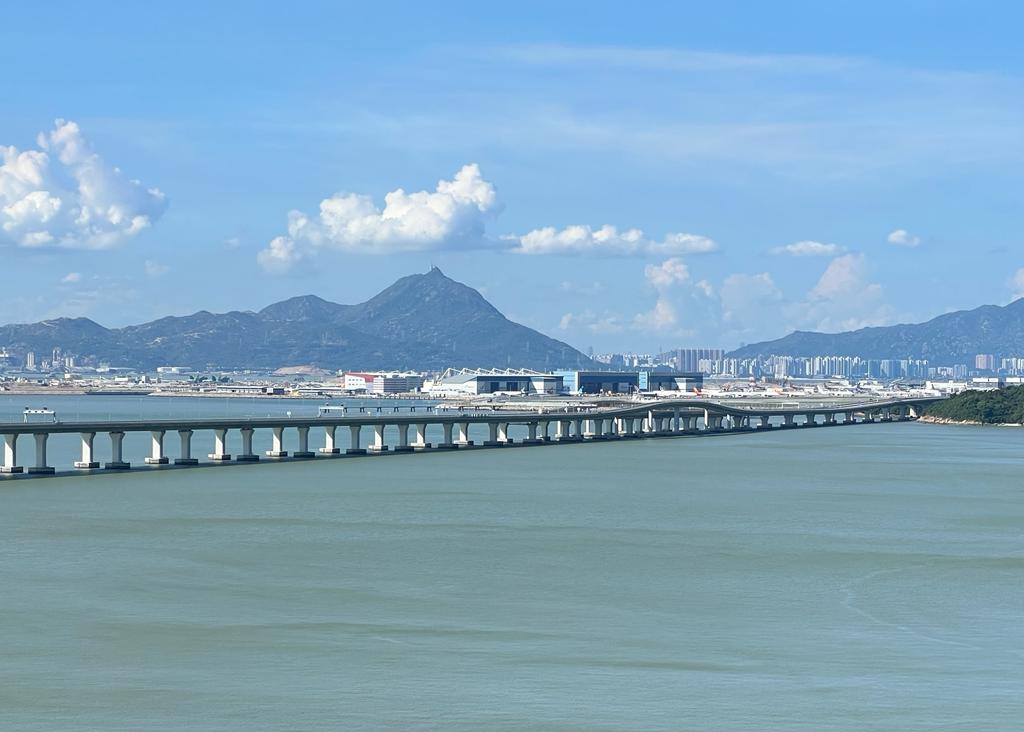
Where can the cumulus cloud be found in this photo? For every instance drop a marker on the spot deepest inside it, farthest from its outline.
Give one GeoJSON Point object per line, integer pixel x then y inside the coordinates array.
{"type": "Point", "coordinates": [1017, 284]}
{"type": "Point", "coordinates": [844, 298]}
{"type": "Point", "coordinates": [668, 273]}
{"type": "Point", "coordinates": [71, 278]}
{"type": "Point", "coordinates": [903, 238]}
{"type": "Point", "coordinates": [607, 241]}
{"type": "Point", "coordinates": [808, 249]}
{"type": "Point", "coordinates": [64, 195]}
{"type": "Point", "coordinates": [453, 215]}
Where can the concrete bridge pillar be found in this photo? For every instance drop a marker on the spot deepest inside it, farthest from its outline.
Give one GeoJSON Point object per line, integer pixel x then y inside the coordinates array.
{"type": "Point", "coordinates": [41, 467]}
{"type": "Point", "coordinates": [220, 453]}
{"type": "Point", "coordinates": [379, 445]}
{"type": "Point", "coordinates": [503, 437]}
{"type": "Point", "coordinates": [545, 431]}
{"type": "Point", "coordinates": [765, 424]}
{"type": "Point", "coordinates": [676, 425]}
{"type": "Point", "coordinates": [848, 418]}
{"type": "Point", "coordinates": [156, 451]}
{"type": "Point", "coordinates": [329, 447]}
{"type": "Point", "coordinates": [186, 449]}
{"type": "Point", "coordinates": [564, 430]}
{"type": "Point", "coordinates": [277, 443]}
{"type": "Point", "coordinates": [492, 435]}
{"type": "Point", "coordinates": [10, 464]}
{"type": "Point", "coordinates": [403, 439]}
{"type": "Point", "coordinates": [531, 433]}
{"type": "Point", "coordinates": [577, 429]}
{"type": "Point", "coordinates": [420, 436]}
{"type": "Point", "coordinates": [355, 436]}
{"type": "Point", "coordinates": [447, 443]}
{"type": "Point", "coordinates": [87, 462]}
{"type": "Point", "coordinates": [830, 418]}
{"type": "Point", "coordinates": [117, 461]}
{"type": "Point", "coordinates": [462, 435]}
{"type": "Point", "coordinates": [787, 420]}
{"type": "Point", "coordinates": [303, 451]}
{"type": "Point", "coordinates": [247, 455]}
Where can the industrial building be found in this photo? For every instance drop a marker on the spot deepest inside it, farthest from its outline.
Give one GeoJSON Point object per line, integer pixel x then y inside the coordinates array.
{"type": "Point", "coordinates": [628, 382]}
{"type": "Point", "coordinates": [383, 382]}
{"type": "Point", "coordinates": [473, 382]}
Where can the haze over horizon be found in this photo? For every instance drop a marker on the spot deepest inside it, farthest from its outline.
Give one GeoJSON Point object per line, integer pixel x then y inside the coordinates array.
{"type": "Point", "coordinates": [632, 182]}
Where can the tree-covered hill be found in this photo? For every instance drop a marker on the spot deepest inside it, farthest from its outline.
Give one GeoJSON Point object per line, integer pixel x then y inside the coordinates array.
{"type": "Point", "coordinates": [1002, 406]}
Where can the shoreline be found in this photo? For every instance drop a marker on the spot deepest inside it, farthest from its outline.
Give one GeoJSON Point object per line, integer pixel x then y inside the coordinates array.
{"type": "Point", "coordinates": [966, 422]}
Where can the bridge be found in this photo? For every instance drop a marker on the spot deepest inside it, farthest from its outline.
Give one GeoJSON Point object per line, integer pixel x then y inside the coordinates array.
{"type": "Point", "coordinates": [408, 430]}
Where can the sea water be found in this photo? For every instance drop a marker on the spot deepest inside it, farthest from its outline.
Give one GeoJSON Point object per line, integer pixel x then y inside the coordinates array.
{"type": "Point", "coordinates": [850, 578]}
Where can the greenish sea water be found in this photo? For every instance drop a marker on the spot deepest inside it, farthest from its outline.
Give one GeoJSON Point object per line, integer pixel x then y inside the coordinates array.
{"type": "Point", "coordinates": [861, 578]}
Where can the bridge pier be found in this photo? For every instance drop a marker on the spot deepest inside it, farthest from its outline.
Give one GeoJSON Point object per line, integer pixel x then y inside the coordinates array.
{"type": "Point", "coordinates": [247, 455]}
{"type": "Point", "coordinates": [220, 453]}
{"type": "Point", "coordinates": [787, 420]}
{"type": "Point", "coordinates": [379, 445]}
{"type": "Point", "coordinates": [330, 447]}
{"type": "Point", "coordinates": [492, 435]}
{"type": "Point", "coordinates": [446, 443]}
{"type": "Point", "coordinates": [462, 435]}
{"type": "Point", "coordinates": [41, 468]}
{"type": "Point", "coordinates": [503, 437]}
{"type": "Point", "coordinates": [420, 437]}
{"type": "Point", "coordinates": [186, 449]}
{"type": "Point", "coordinates": [355, 445]}
{"type": "Point", "coordinates": [87, 462]}
{"type": "Point", "coordinates": [303, 452]}
{"type": "Point", "coordinates": [531, 434]}
{"type": "Point", "coordinates": [403, 439]}
{"type": "Point", "coordinates": [156, 453]}
{"type": "Point", "coordinates": [117, 461]}
{"type": "Point", "coordinates": [276, 443]}
{"type": "Point", "coordinates": [10, 464]}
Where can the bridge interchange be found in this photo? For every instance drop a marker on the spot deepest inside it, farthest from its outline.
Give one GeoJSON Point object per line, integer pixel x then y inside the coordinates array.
{"type": "Point", "coordinates": [661, 418]}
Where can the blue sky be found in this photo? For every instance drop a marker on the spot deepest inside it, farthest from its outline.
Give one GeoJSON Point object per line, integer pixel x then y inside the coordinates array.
{"type": "Point", "coordinates": [656, 176]}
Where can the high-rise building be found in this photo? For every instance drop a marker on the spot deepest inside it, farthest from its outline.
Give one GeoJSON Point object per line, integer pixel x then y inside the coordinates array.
{"type": "Point", "coordinates": [985, 362]}
{"type": "Point", "coordinates": [30, 361]}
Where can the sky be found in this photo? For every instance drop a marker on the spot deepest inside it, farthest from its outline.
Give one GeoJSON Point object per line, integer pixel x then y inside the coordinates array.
{"type": "Point", "coordinates": [624, 177]}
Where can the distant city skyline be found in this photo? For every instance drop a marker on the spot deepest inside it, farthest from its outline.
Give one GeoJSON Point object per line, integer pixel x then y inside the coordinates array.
{"type": "Point", "coordinates": [656, 180]}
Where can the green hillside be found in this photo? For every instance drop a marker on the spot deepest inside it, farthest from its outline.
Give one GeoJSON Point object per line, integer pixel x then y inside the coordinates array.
{"type": "Point", "coordinates": [1003, 406]}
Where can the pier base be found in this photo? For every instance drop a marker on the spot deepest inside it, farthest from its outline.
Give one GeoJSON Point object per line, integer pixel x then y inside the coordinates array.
{"type": "Point", "coordinates": [402, 448]}
{"type": "Point", "coordinates": [186, 461]}
{"type": "Point", "coordinates": [151, 461]}
{"type": "Point", "coordinates": [117, 465]}
{"type": "Point", "coordinates": [222, 458]}
{"type": "Point", "coordinates": [11, 469]}
{"type": "Point", "coordinates": [355, 451]}
{"type": "Point", "coordinates": [303, 454]}
{"type": "Point", "coordinates": [276, 453]}
{"type": "Point", "coordinates": [247, 459]}
{"type": "Point", "coordinates": [41, 470]}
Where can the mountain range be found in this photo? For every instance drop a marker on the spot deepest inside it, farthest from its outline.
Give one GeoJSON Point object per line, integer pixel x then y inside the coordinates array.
{"type": "Point", "coordinates": [949, 339]}
{"type": "Point", "coordinates": [425, 321]}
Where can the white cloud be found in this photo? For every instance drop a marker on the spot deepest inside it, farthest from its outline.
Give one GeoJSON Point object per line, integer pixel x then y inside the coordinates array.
{"type": "Point", "coordinates": [451, 216]}
{"type": "Point", "coordinates": [748, 300]}
{"type": "Point", "coordinates": [1017, 284]}
{"type": "Point", "coordinates": [903, 238]}
{"type": "Point", "coordinates": [668, 273]}
{"type": "Point", "coordinates": [592, 322]}
{"type": "Point", "coordinates": [662, 316]}
{"type": "Point", "coordinates": [808, 248]}
{"type": "Point", "coordinates": [607, 241]}
{"type": "Point", "coordinates": [71, 278]}
{"type": "Point", "coordinates": [64, 195]}
{"type": "Point", "coordinates": [844, 298]}
{"type": "Point", "coordinates": [155, 269]}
